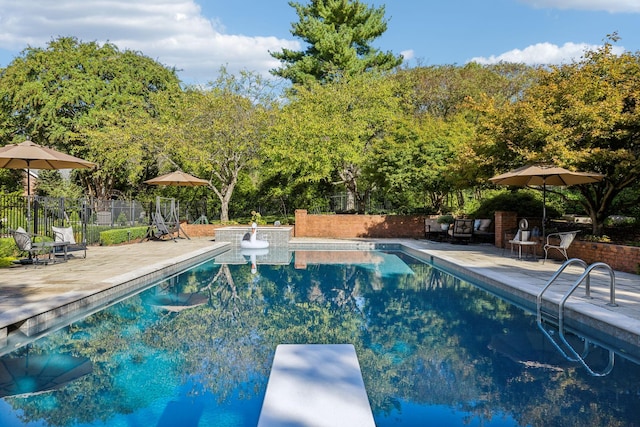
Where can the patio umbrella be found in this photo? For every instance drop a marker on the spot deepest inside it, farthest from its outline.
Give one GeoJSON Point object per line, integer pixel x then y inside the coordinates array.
{"type": "Point", "coordinates": [33, 374]}
{"type": "Point", "coordinates": [29, 155]}
{"type": "Point", "coordinates": [535, 175]}
{"type": "Point", "coordinates": [177, 178]}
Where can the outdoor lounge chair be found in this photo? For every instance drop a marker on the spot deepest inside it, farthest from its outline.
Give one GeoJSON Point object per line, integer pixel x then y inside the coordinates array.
{"type": "Point", "coordinates": [65, 234]}
{"type": "Point", "coordinates": [433, 230]}
{"type": "Point", "coordinates": [462, 230]}
{"type": "Point", "coordinates": [26, 243]}
{"type": "Point", "coordinates": [566, 238]}
{"type": "Point", "coordinates": [161, 227]}
{"type": "Point", "coordinates": [483, 229]}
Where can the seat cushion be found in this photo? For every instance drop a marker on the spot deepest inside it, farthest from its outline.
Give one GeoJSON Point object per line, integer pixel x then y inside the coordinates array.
{"type": "Point", "coordinates": [22, 239]}
{"type": "Point", "coordinates": [484, 225]}
{"type": "Point", "coordinates": [64, 234]}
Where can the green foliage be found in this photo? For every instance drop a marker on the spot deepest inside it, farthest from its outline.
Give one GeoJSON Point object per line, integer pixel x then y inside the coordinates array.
{"type": "Point", "coordinates": [218, 132]}
{"type": "Point", "coordinates": [122, 235]}
{"type": "Point", "coordinates": [338, 34]}
{"type": "Point", "coordinates": [87, 100]}
{"type": "Point", "coordinates": [445, 219]}
{"type": "Point", "coordinates": [596, 239]}
{"type": "Point", "coordinates": [257, 218]}
{"type": "Point", "coordinates": [527, 203]}
{"type": "Point", "coordinates": [582, 116]}
{"type": "Point", "coordinates": [326, 134]}
{"type": "Point", "coordinates": [8, 248]}
{"type": "Point", "coordinates": [11, 179]}
{"type": "Point", "coordinates": [122, 219]}
{"type": "Point", "coordinates": [51, 183]}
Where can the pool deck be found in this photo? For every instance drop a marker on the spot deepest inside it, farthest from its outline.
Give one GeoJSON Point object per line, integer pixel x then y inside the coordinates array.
{"type": "Point", "coordinates": [26, 291]}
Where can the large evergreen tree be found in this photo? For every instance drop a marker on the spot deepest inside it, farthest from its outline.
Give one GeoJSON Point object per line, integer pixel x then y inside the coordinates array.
{"type": "Point", "coordinates": [339, 35]}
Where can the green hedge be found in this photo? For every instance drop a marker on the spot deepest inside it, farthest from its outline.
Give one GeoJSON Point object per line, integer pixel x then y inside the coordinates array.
{"type": "Point", "coordinates": [122, 235]}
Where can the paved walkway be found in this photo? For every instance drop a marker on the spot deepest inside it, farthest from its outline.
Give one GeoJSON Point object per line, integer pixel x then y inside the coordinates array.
{"type": "Point", "coordinates": [28, 290]}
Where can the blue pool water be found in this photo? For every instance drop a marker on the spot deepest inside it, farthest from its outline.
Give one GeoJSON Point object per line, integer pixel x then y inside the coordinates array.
{"type": "Point", "coordinates": [196, 350]}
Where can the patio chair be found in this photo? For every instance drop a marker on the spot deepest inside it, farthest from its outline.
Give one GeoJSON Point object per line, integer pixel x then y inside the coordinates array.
{"type": "Point", "coordinates": [63, 235]}
{"type": "Point", "coordinates": [462, 230]}
{"type": "Point", "coordinates": [433, 230]}
{"type": "Point", "coordinates": [161, 227]}
{"type": "Point", "coordinates": [566, 238]}
{"type": "Point", "coordinates": [26, 244]}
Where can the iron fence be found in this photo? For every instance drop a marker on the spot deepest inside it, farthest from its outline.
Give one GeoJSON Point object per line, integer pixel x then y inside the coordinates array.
{"type": "Point", "coordinates": [87, 216]}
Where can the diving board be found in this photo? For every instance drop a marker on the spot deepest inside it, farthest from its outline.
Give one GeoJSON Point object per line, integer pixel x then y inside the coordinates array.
{"type": "Point", "coordinates": [316, 385]}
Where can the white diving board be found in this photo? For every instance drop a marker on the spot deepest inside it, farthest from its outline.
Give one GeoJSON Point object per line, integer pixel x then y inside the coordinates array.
{"type": "Point", "coordinates": [316, 385]}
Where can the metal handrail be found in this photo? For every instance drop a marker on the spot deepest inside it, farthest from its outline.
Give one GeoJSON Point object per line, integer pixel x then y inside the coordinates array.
{"type": "Point", "coordinates": [584, 277]}
{"type": "Point", "coordinates": [553, 279]}
{"type": "Point", "coordinates": [579, 358]}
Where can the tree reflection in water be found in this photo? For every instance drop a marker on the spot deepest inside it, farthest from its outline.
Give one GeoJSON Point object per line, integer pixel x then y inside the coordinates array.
{"type": "Point", "coordinates": [425, 340]}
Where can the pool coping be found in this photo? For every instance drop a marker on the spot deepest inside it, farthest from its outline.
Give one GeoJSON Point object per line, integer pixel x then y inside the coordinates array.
{"type": "Point", "coordinates": [33, 320]}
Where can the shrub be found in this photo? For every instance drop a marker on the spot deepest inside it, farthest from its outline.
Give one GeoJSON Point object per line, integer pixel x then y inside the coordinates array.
{"type": "Point", "coordinates": [8, 247]}
{"type": "Point", "coordinates": [527, 203]}
{"type": "Point", "coordinates": [122, 235]}
{"type": "Point", "coordinates": [445, 219]}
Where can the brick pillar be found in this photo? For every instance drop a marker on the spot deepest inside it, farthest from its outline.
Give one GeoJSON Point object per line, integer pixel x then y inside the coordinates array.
{"type": "Point", "coordinates": [505, 221]}
{"type": "Point", "coordinates": [300, 229]}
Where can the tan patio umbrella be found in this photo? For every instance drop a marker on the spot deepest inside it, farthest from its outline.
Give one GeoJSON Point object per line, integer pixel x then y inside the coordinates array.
{"type": "Point", "coordinates": [29, 155]}
{"type": "Point", "coordinates": [177, 178]}
{"type": "Point", "coordinates": [539, 175]}
{"type": "Point", "coordinates": [34, 374]}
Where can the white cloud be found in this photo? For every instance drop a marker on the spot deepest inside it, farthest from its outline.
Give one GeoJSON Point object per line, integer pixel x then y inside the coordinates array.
{"type": "Point", "coordinates": [612, 6]}
{"type": "Point", "coordinates": [173, 32]}
{"type": "Point", "coordinates": [408, 54]}
{"type": "Point", "coordinates": [543, 54]}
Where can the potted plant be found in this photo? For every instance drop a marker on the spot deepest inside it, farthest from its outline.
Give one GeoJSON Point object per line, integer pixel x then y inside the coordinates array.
{"type": "Point", "coordinates": [445, 221]}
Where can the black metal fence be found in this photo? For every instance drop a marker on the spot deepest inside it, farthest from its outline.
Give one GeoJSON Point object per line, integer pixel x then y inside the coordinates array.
{"type": "Point", "coordinates": [87, 216]}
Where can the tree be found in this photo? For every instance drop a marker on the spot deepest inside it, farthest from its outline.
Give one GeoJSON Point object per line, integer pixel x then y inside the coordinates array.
{"type": "Point", "coordinates": [419, 160]}
{"type": "Point", "coordinates": [582, 116]}
{"type": "Point", "coordinates": [422, 161]}
{"type": "Point", "coordinates": [219, 131]}
{"type": "Point", "coordinates": [339, 35]}
{"type": "Point", "coordinates": [75, 96]}
{"type": "Point", "coordinates": [327, 132]}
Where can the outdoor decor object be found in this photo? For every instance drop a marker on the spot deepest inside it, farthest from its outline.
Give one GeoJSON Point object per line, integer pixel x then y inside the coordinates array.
{"type": "Point", "coordinates": [177, 178]}
{"type": "Point", "coordinates": [29, 155]}
{"type": "Point", "coordinates": [536, 175]}
{"type": "Point", "coordinates": [251, 241]}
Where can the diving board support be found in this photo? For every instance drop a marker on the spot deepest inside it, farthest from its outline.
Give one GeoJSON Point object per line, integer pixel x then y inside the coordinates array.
{"type": "Point", "coordinates": [316, 385]}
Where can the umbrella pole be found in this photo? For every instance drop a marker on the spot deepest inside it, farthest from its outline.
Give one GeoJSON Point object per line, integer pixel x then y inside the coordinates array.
{"type": "Point", "coordinates": [28, 199]}
{"type": "Point", "coordinates": [544, 207]}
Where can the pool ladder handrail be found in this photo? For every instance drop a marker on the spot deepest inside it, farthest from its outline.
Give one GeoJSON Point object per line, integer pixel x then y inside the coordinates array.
{"type": "Point", "coordinates": [584, 277]}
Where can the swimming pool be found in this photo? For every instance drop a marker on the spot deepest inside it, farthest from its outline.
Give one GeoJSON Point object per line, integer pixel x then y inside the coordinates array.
{"type": "Point", "coordinates": [196, 349]}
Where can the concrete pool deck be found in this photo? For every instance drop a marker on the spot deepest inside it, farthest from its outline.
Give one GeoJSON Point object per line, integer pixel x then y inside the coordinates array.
{"type": "Point", "coordinates": [26, 291]}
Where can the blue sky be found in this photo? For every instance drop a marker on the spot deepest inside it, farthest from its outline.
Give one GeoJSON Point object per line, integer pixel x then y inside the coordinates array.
{"type": "Point", "coordinates": [199, 36]}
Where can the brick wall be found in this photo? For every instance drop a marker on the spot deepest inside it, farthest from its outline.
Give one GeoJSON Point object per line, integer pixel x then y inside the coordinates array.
{"type": "Point", "coordinates": [619, 257]}
{"type": "Point", "coordinates": [199, 230]}
{"type": "Point", "coordinates": [345, 226]}
{"type": "Point", "coordinates": [504, 221]}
